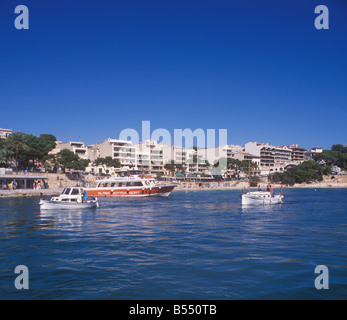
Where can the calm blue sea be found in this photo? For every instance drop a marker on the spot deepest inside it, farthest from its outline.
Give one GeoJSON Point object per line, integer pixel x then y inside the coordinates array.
{"type": "Point", "coordinates": [192, 245]}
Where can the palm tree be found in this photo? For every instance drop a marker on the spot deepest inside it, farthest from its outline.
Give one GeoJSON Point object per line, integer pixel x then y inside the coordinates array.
{"type": "Point", "coordinates": [16, 141]}
{"type": "Point", "coordinates": [6, 156]}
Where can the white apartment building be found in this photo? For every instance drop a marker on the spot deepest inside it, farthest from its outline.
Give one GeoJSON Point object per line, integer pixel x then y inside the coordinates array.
{"type": "Point", "coordinates": [177, 155]}
{"type": "Point", "coordinates": [297, 153]}
{"type": "Point", "coordinates": [122, 150]}
{"type": "Point", "coordinates": [244, 156]}
{"type": "Point", "coordinates": [196, 162]}
{"type": "Point", "coordinates": [193, 161]}
{"type": "Point", "coordinates": [4, 133]}
{"type": "Point", "coordinates": [271, 156]}
{"type": "Point", "coordinates": [150, 157]}
{"type": "Point", "coordinates": [76, 147]}
{"type": "Point", "coordinates": [212, 155]}
{"type": "Point", "coordinates": [274, 158]}
{"type": "Point", "coordinates": [310, 154]}
{"type": "Point", "coordinates": [317, 149]}
{"type": "Point", "coordinates": [93, 152]}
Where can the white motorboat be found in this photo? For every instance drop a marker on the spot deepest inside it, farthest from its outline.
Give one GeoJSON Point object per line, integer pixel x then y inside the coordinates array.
{"type": "Point", "coordinates": [70, 198]}
{"type": "Point", "coordinates": [261, 197]}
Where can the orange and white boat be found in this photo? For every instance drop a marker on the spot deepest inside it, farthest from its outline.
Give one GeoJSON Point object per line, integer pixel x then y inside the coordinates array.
{"type": "Point", "coordinates": [131, 186]}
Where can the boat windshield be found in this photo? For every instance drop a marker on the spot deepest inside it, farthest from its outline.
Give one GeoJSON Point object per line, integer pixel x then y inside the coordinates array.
{"type": "Point", "coordinates": [67, 191]}
{"type": "Point", "coordinates": [74, 192]}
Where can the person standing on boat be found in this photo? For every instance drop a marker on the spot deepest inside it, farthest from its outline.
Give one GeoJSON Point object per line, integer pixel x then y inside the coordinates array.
{"type": "Point", "coordinates": [270, 189]}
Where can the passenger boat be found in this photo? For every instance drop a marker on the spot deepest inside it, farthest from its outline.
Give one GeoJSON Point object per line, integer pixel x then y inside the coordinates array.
{"type": "Point", "coordinates": [70, 198]}
{"type": "Point", "coordinates": [130, 186]}
{"type": "Point", "coordinates": [260, 197]}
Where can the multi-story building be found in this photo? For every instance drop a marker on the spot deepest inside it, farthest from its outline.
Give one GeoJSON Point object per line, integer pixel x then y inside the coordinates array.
{"type": "Point", "coordinates": [4, 133]}
{"type": "Point", "coordinates": [150, 157]}
{"type": "Point", "coordinates": [122, 150]}
{"type": "Point", "coordinates": [298, 153]}
{"type": "Point", "coordinates": [93, 152]}
{"type": "Point", "coordinates": [244, 156]}
{"type": "Point", "coordinates": [282, 155]}
{"type": "Point", "coordinates": [317, 149]}
{"type": "Point", "coordinates": [143, 162]}
{"type": "Point", "coordinates": [212, 155]}
{"type": "Point", "coordinates": [196, 162]}
{"type": "Point", "coordinates": [76, 147]}
{"type": "Point", "coordinates": [272, 158]}
{"type": "Point", "coordinates": [172, 154]}
{"type": "Point", "coordinates": [310, 154]}
{"type": "Point", "coordinates": [193, 161]}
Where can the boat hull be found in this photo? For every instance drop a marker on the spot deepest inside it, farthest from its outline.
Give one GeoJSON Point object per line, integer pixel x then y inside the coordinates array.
{"type": "Point", "coordinates": [261, 199]}
{"type": "Point", "coordinates": [48, 205]}
{"type": "Point", "coordinates": [157, 191]}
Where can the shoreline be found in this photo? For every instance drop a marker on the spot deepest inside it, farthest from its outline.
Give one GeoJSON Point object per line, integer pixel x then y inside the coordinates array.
{"type": "Point", "coordinates": [275, 187]}
{"type": "Point", "coordinates": [27, 193]}
{"type": "Point", "coordinates": [56, 192]}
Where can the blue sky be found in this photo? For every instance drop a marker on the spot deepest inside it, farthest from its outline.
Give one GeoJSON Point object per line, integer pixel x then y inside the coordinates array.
{"type": "Point", "coordinates": [89, 69]}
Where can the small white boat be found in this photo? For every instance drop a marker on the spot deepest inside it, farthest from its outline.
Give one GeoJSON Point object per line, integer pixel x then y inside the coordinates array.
{"type": "Point", "coordinates": [70, 198]}
{"type": "Point", "coordinates": [261, 197]}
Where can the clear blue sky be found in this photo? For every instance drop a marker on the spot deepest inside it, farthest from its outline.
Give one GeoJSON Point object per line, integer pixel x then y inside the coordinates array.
{"type": "Point", "coordinates": [89, 69]}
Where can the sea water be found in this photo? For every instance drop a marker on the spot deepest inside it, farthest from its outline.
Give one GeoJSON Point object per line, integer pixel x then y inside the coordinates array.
{"type": "Point", "coordinates": [191, 245]}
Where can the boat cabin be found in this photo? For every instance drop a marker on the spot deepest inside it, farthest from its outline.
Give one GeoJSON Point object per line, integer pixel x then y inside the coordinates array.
{"type": "Point", "coordinates": [73, 194]}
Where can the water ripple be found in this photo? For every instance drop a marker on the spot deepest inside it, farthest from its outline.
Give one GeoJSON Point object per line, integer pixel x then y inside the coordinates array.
{"type": "Point", "coordinates": [192, 245]}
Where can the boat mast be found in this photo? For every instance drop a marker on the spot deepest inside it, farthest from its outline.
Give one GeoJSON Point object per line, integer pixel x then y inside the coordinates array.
{"type": "Point", "coordinates": [249, 177]}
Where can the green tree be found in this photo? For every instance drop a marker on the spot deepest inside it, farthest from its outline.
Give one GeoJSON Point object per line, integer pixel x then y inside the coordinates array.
{"type": "Point", "coordinates": [2, 144]}
{"type": "Point", "coordinates": [174, 167]}
{"type": "Point", "coordinates": [6, 157]}
{"type": "Point", "coordinates": [159, 175]}
{"type": "Point", "coordinates": [69, 160]}
{"type": "Point", "coordinates": [306, 172]}
{"type": "Point", "coordinates": [81, 164]}
{"type": "Point", "coordinates": [17, 143]}
{"type": "Point", "coordinates": [107, 162]}
{"type": "Point", "coordinates": [339, 148]}
{"type": "Point", "coordinates": [336, 156]}
{"type": "Point", "coordinates": [29, 148]}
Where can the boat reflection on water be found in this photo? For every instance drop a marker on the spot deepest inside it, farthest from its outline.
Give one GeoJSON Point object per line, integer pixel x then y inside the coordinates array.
{"type": "Point", "coordinates": [265, 208]}
{"type": "Point", "coordinates": [63, 219]}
